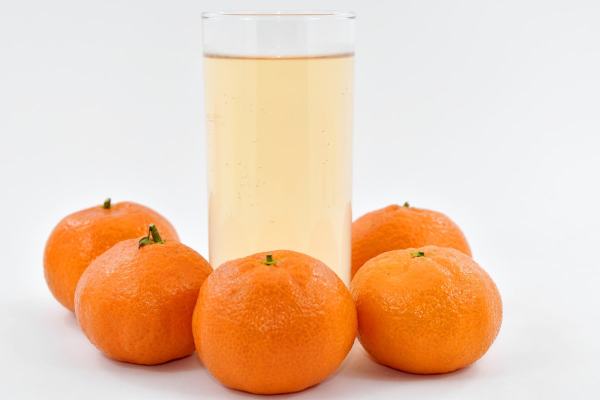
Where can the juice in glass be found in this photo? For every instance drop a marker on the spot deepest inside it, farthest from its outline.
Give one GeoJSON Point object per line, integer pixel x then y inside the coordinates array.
{"type": "Point", "coordinates": [279, 128]}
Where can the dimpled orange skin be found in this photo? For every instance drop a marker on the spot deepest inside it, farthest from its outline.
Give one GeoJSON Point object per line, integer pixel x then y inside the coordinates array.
{"type": "Point", "coordinates": [397, 227]}
{"type": "Point", "coordinates": [270, 329]}
{"type": "Point", "coordinates": [136, 304]}
{"type": "Point", "coordinates": [82, 236]}
{"type": "Point", "coordinates": [426, 315]}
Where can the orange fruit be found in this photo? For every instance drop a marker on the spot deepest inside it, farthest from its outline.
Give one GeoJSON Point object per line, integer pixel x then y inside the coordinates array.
{"type": "Point", "coordinates": [395, 227]}
{"type": "Point", "coordinates": [275, 322]}
{"type": "Point", "coordinates": [135, 301]}
{"type": "Point", "coordinates": [82, 236]}
{"type": "Point", "coordinates": [426, 311]}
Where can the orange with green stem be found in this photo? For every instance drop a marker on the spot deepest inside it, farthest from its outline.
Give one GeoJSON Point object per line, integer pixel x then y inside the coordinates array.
{"type": "Point", "coordinates": [400, 227]}
{"type": "Point", "coordinates": [428, 310]}
{"type": "Point", "coordinates": [273, 322]}
{"type": "Point", "coordinates": [135, 301]}
{"type": "Point", "coordinates": [82, 236]}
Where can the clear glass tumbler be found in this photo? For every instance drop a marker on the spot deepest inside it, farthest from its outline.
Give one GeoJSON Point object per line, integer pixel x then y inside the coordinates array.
{"type": "Point", "coordinates": [279, 103]}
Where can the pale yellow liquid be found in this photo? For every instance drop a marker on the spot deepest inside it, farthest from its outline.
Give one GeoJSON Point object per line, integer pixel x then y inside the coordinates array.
{"type": "Point", "coordinates": [279, 150]}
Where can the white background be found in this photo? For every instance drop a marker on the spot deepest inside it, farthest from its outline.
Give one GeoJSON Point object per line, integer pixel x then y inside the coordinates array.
{"type": "Point", "coordinates": [488, 111]}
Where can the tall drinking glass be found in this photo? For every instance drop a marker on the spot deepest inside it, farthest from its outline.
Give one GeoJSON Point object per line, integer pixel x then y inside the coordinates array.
{"type": "Point", "coordinates": [278, 90]}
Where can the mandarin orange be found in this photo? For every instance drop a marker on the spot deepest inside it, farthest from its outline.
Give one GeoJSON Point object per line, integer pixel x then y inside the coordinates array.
{"type": "Point", "coordinates": [135, 301]}
{"type": "Point", "coordinates": [273, 322]}
{"type": "Point", "coordinates": [428, 310]}
{"type": "Point", "coordinates": [395, 227]}
{"type": "Point", "coordinates": [82, 236]}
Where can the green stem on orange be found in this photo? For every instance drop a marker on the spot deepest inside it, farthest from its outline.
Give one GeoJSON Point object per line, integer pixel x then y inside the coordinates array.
{"type": "Point", "coordinates": [152, 238]}
{"type": "Point", "coordinates": [270, 260]}
{"type": "Point", "coordinates": [155, 235]}
{"type": "Point", "coordinates": [417, 254]}
{"type": "Point", "coordinates": [106, 204]}
{"type": "Point", "coordinates": [406, 204]}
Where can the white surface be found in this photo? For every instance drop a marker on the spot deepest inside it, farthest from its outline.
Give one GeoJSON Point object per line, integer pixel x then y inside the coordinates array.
{"type": "Point", "coordinates": [488, 111]}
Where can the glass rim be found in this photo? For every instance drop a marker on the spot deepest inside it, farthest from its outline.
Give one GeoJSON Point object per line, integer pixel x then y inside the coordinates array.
{"type": "Point", "coordinates": [250, 15]}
